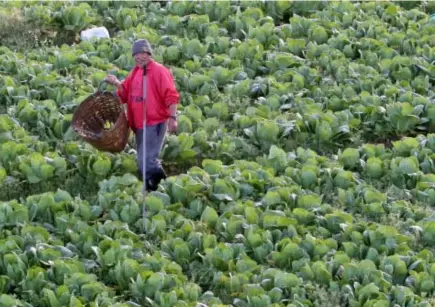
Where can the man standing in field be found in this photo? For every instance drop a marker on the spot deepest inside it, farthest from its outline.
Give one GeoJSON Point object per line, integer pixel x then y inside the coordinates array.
{"type": "Point", "coordinates": [161, 98]}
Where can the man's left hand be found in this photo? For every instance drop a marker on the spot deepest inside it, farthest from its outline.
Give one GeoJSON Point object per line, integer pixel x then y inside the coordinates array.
{"type": "Point", "coordinates": [172, 125]}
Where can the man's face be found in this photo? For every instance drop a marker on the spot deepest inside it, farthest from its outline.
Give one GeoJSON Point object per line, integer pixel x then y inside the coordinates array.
{"type": "Point", "coordinates": [141, 59]}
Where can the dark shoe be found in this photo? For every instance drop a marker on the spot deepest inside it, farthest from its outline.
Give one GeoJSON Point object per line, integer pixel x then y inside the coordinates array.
{"type": "Point", "coordinates": [150, 185]}
{"type": "Point", "coordinates": [153, 183]}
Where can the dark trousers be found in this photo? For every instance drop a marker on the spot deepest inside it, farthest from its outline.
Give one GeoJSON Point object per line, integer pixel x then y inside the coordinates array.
{"type": "Point", "coordinates": [155, 136]}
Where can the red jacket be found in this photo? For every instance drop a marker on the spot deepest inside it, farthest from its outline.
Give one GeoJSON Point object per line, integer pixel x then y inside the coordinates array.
{"type": "Point", "coordinates": [160, 94]}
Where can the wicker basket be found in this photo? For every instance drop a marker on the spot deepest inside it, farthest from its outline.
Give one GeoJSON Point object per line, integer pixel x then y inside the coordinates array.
{"type": "Point", "coordinates": [96, 111]}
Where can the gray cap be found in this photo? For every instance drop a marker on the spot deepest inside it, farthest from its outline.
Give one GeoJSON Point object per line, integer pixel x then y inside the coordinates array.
{"type": "Point", "coordinates": [141, 45]}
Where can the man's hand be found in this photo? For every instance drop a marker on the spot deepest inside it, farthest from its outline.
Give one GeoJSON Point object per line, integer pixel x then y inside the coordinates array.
{"type": "Point", "coordinates": [172, 125]}
{"type": "Point", "coordinates": [113, 80]}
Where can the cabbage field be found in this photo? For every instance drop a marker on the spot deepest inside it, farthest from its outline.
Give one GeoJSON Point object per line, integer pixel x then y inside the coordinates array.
{"type": "Point", "coordinates": [302, 173]}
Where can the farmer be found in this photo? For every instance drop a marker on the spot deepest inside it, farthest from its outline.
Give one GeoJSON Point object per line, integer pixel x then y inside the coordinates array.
{"type": "Point", "coordinates": [161, 98]}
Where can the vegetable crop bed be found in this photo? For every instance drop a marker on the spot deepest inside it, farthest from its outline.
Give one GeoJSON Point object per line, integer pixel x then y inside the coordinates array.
{"type": "Point", "coordinates": [302, 173]}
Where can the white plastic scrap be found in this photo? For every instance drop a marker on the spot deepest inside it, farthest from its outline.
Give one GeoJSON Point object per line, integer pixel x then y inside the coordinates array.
{"type": "Point", "coordinates": [98, 32]}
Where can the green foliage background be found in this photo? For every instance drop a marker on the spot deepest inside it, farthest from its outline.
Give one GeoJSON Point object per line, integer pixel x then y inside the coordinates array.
{"type": "Point", "coordinates": [302, 174]}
